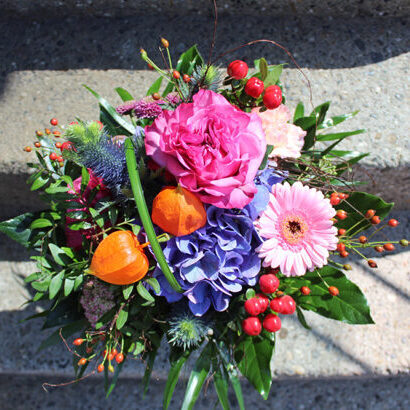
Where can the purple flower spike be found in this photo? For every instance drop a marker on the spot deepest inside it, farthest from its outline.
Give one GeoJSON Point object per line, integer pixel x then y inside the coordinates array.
{"type": "Point", "coordinates": [127, 107]}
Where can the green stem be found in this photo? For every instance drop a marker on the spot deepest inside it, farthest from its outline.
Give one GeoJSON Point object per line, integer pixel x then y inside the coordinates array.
{"type": "Point", "coordinates": [144, 214]}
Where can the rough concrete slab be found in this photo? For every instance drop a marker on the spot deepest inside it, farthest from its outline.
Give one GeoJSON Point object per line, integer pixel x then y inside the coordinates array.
{"type": "Point", "coordinates": [330, 349]}
{"type": "Point", "coordinates": [115, 8]}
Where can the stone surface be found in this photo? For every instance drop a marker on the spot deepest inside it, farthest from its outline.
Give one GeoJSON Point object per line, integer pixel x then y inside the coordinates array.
{"type": "Point", "coordinates": [113, 8]}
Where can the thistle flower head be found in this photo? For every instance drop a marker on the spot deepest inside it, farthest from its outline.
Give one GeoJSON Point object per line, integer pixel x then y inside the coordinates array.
{"type": "Point", "coordinates": [207, 77]}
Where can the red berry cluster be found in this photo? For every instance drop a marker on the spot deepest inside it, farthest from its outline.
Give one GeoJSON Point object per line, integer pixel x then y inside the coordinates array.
{"type": "Point", "coordinates": [259, 304]}
{"type": "Point", "coordinates": [254, 87]}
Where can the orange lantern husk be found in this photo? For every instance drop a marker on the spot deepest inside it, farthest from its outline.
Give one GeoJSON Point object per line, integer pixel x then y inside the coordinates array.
{"type": "Point", "coordinates": [178, 211]}
{"type": "Point", "coordinates": [119, 259]}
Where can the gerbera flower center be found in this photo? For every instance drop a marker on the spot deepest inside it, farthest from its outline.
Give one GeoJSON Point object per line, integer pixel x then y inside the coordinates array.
{"type": "Point", "coordinates": [293, 228]}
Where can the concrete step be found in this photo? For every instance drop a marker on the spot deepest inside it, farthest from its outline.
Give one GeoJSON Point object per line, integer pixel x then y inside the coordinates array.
{"type": "Point", "coordinates": [117, 8]}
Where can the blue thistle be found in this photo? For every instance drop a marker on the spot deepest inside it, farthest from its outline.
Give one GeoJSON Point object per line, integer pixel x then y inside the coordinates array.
{"type": "Point", "coordinates": [206, 77]}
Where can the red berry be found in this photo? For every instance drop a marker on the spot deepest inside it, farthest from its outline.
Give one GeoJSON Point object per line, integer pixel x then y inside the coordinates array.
{"type": "Point", "coordinates": [48, 131]}
{"type": "Point", "coordinates": [186, 78]}
{"type": "Point", "coordinates": [272, 323]}
{"type": "Point", "coordinates": [111, 356]}
{"type": "Point", "coordinates": [100, 368]}
{"type": "Point", "coordinates": [343, 196]}
{"type": "Point", "coordinates": [393, 223]}
{"type": "Point", "coordinates": [78, 342]}
{"type": "Point", "coordinates": [60, 158]}
{"type": "Point", "coordinates": [375, 220]}
{"type": "Point", "coordinates": [53, 156]}
{"type": "Point", "coordinates": [285, 305]}
{"type": "Point", "coordinates": [333, 290]}
{"type": "Point", "coordinates": [119, 358]}
{"type": "Point", "coordinates": [238, 69]}
{"type": "Point", "coordinates": [39, 133]}
{"type": "Point", "coordinates": [156, 96]}
{"type": "Point", "coordinates": [165, 42]}
{"type": "Point", "coordinates": [253, 307]}
{"type": "Point", "coordinates": [254, 87]}
{"type": "Point", "coordinates": [372, 263]}
{"type": "Point", "coordinates": [341, 232]}
{"type": "Point", "coordinates": [268, 283]}
{"type": "Point", "coordinates": [37, 144]}
{"type": "Point", "coordinates": [341, 247]}
{"type": "Point", "coordinates": [54, 121]}
{"type": "Point", "coordinates": [272, 97]}
{"type": "Point", "coordinates": [362, 239]}
{"type": "Point", "coordinates": [305, 290]}
{"type": "Point", "coordinates": [27, 149]}
{"type": "Point", "coordinates": [341, 214]}
{"type": "Point", "coordinates": [263, 301]}
{"type": "Point", "coordinates": [389, 247]}
{"type": "Point", "coordinates": [58, 144]}
{"type": "Point", "coordinates": [100, 124]}
{"type": "Point", "coordinates": [344, 254]}
{"type": "Point", "coordinates": [176, 74]}
{"type": "Point", "coordinates": [379, 249]}
{"type": "Point", "coordinates": [370, 213]}
{"type": "Point", "coordinates": [68, 145]}
{"type": "Point", "coordinates": [252, 326]}
{"type": "Point", "coordinates": [334, 200]}
{"type": "Point", "coordinates": [114, 352]}
{"type": "Point", "coordinates": [82, 361]}
{"type": "Point", "coordinates": [57, 134]}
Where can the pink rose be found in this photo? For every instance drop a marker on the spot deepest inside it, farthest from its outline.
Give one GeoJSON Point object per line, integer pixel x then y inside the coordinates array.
{"type": "Point", "coordinates": [74, 238]}
{"type": "Point", "coordinates": [211, 147]}
{"type": "Point", "coordinates": [287, 139]}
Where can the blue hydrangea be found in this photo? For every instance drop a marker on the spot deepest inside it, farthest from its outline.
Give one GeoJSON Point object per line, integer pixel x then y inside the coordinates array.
{"type": "Point", "coordinates": [214, 262]}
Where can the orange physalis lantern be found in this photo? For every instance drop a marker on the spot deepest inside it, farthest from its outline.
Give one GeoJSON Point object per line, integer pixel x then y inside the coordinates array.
{"type": "Point", "coordinates": [178, 211]}
{"type": "Point", "coordinates": [119, 259]}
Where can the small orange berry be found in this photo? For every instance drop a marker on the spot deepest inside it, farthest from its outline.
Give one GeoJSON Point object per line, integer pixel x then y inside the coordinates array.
{"type": "Point", "coordinates": [372, 263]}
{"type": "Point", "coordinates": [156, 96]}
{"type": "Point", "coordinates": [375, 220]}
{"type": "Point", "coordinates": [57, 133]}
{"type": "Point", "coordinates": [53, 156]}
{"type": "Point", "coordinates": [393, 223]}
{"type": "Point", "coordinates": [379, 249]}
{"type": "Point", "coordinates": [341, 214]}
{"type": "Point", "coordinates": [389, 247]}
{"type": "Point", "coordinates": [186, 78]}
{"type": "Point", "coordinates": [58, 144]}
{"type": "Point", "coordinates": [100, 368]}
{"type": "Point", "coordinates": [341, 247]}
{"type": "Point", "coordinates": [82, 361]}
{"type": "Point", "coordinates": [341, 232]}
{"type": "Point", "coordinates": [333, 290]}
{"type": "Point", "coordinates": [27, 149]}
{"type": "Point", "coordinates": [305, 290]}
{"type": "Point", "coordinates": [78, 342]}
{"type": "Point", "coordinates": [54, 121]}
{"type": "Point", "coordinates": [37, 144]}
{"type": "Point", "coordinates": [176, 74]}
{"type": "Point", "coordinates": [370, 213]}
{"type": "Point", "coordinates": [48, 131]}
{"type": "Point", "coordinates": [60, 158]}
{"type": "Point", "coordinates": [165, 42]}
{"type": "Point", "coordinates": [334, 200]}
{"type": "Point", "coordinates": [39, 133]}
{"type": "Point", "coordinates": [344, 254]}
{"type": "Point", "coordinates": [119, 358]}
{"type": "Point", "coordinates": [362, 239]}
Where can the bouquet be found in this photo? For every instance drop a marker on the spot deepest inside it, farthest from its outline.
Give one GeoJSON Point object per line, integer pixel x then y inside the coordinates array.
{"type": "Point", "coordinates": [195, 218]}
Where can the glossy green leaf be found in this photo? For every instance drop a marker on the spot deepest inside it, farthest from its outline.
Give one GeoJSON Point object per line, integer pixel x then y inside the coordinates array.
{"type": "Point", "coordinates": [41, 285]}
{"type": "Point", "coordinates": [338, 135]}
{"type": "Point", "coordinates": [148, 370]}
{"type": "Point", "coordinates": [273, 75]}
{"type": "Point", "coordinates": [221, 387]}
{"type": "Point", "coordinates": [124, 94]}
{"type": "Point", "coordinates": [55, 285]}
{"type": "Point", "coordinates": [112, 113]}
{"type": "Point", "coordinates": [250, 293]}
{"type": "Point", "coordinates": [78, 281]}
{"type": "Point", "coordinates": [356, 206]}
{"type": "Point", "coordinates": [155, 86]}
{"type": "Point", "coordinates": [122, 318]}
{"type": "Point", "coordinates": [320, 112]}
{"type": "Point", "coordinates": [39, 183]}
{"type": "Point", "coordinates": [173, 374]}
{"type": "Point", "coordinates": [114, 379]}
{"type": "Point", "coordinates": [40, 223]}
{"type": "Point", "coordinates": [68, 286]}
{"type": "Point", "coordinates": [197, 378]}
{"type": "Point", "coordinates": [299, 111]}
{"type": "Point", "coordinates": [263, 68]}
{"type": "Point", "coordinates": [143, 292]}
{"type": "Point", "coordinates": [350, 306]}
{"type": "Point", "coordinates": [301, 318]}
{"type": "Point", "coordinates": [236, 385]}
{"type": "Point", "coordinates": [253, 357]}
{"type": "Point", "coordinates": [59, 255]}
{"type": "Point", "coordinates": [154, 284]}
{"type": "Point", "coordinates": [127, 290]}
{"type": "Point", "coordinates": [18, 228]}
{"type": "Point", "coordinates": [331, 122]}
{"type": "Point", "coordinates": [85, 178]}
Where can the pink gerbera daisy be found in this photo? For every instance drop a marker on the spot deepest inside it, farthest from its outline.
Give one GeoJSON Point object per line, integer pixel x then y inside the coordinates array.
{"type": "Point", "coordinates": [298, 229]}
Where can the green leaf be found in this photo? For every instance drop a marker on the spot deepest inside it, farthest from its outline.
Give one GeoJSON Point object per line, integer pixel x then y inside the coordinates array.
{"type": "Point", "coordinates": [236, 385]}
{"type": "Point", "coordinates": [154, 284]}
{"type": "Point", "coordinates": [114, 379]}
{"type": "Point", "coordinates": [85, 179]}
{"type": "Point", "coordinates": [59, 255]}
{"type": "Point", "coordinates": [320, 112]}
{"type": "Point", "coordinates": [221, 387]}
{"type": "Point", "coordinates": [155, 86]}
{"type": "Point", "coordinates": [356, 206]}
{"type": "Point", "coordinates": [250, 293]}
{"type": "Point", "coordinates": [301, 318]}
{"type": "Point", "coordinates": [253, 356]}
{"type": "Point", "coordinates": [39, 183]}
{"type": "Point", "coordinates": [144, 293]}
{"type": "Point", "coordinates": [113, 115]}
{"type": "Point", "coordinates": [98, 218]}
{"type": "Point", "coordinates": [350, 306]}
{"type": "Point", "coordinates": [55, 284]}
{"type": "Point", "coordinates": [269, 149]}
{"type": "Point", "coordinates": [338, 136]}
{"type": "Point", "coordinates": [148, 370]}
{"type": "Point", "coordinates": [273, 76]}
{"type": "Point", "coordinates": [122, 318]}
{"type": "Point", "coordinates": [197, 378]}
{"type": "Point", "coordinates": [68, 286]}
{"type": "Point", "coordinates": [40, 223]}
{"type": "Point", "coordinates": [299, 112]}
{"type": "Point", "coordinates": [42, 285]}
{"type": "Point", "coordinates": [331, 122]}
{"type": "Point", "coordinates": [78, 281]}
{"type": "Point", "coordinates": [173, 375]}
{"type": "Point", "coordinates": [124, 94]}
{"type": "Point", "coordinates": [263, 68]}
{"type": "Point", "coordinates": [18, 228]}
{"type": "Point", "coordinates": [127, 290]}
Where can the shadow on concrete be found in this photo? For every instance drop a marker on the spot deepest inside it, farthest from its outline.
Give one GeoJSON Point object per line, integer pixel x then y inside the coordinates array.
{"type": "Point", "coordinates": [105, 43]}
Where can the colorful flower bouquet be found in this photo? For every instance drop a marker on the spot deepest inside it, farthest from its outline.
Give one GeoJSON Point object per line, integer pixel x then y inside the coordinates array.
{"type": "Point", "coordinates": [196, 216]}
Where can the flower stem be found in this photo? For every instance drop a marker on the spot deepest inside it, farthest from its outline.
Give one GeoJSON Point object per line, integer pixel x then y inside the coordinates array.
{"type": "Point", "coordinates": [144, 214]}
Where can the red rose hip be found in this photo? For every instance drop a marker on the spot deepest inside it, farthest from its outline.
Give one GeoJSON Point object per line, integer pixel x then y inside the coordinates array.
{"type": "Point", "coordinates": [268, 283]}
{"type": "Point", "coordinates": [284, 304]}
{"type": "Point", "coordinates": [253, 307]}
{"type": "Point", "coordinates": [272, 323]}
{"type": "Point", "coordinates": [238, 69]}
{"type": "Point", "coordinates": [254, 87]}
{"type": "Point", "coordinates": [272, 97]}
{"type": "Point", "coordinates": [252, 326]}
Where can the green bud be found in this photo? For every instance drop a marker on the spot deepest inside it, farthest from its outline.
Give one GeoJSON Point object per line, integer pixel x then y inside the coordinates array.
{"type": "Point", "coordinates": [404, 242]}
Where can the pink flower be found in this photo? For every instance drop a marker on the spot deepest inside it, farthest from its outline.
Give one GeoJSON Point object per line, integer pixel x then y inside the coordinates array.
{"type": "Point", "coordinates": [211, 147]}
{"type": "Point", "coordinates": [298, 229]}
{"type": "Point", "coordinates": [287, 139]}
{"type": "Point", "coordinates": [74, 238]}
